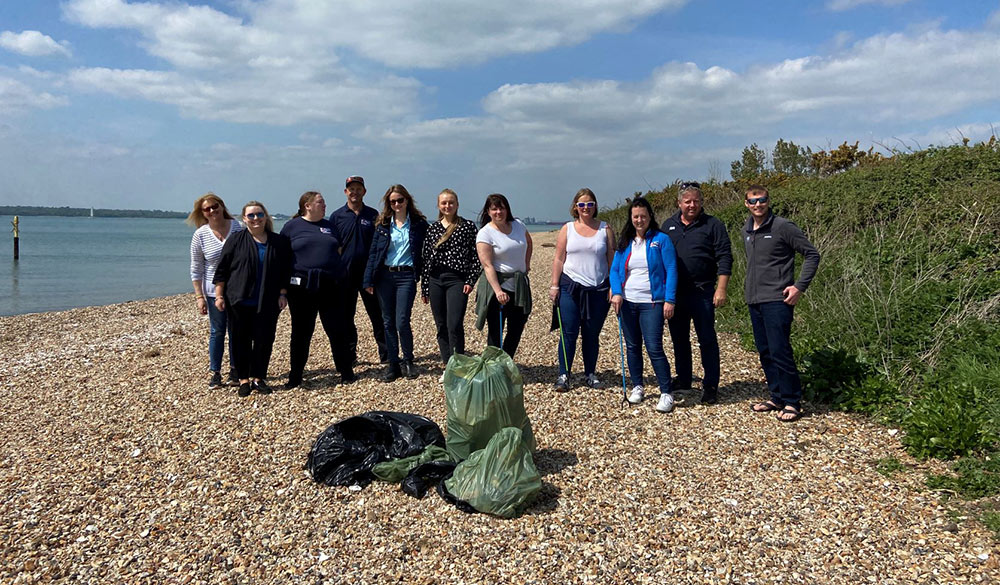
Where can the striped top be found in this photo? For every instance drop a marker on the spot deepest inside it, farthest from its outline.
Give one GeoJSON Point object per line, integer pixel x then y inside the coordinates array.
{"type": "Point", "coordinates": [205, 252]}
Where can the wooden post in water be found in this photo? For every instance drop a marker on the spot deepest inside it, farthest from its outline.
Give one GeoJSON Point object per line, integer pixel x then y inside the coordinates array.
{"type": "Point", "coordinates": [17, 237]}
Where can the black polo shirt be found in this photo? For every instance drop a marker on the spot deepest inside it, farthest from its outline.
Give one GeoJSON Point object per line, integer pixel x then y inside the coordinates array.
{"type": "Point", "coordinates": [355, 232]}
{"type": "Point", "coordinates": [703, 250]}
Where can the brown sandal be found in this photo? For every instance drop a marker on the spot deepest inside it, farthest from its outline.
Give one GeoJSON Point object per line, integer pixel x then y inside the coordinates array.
{"type": "Point", "coordinates": [765, 407]}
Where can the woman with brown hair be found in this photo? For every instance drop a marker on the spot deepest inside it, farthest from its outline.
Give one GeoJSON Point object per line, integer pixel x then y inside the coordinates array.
{"type": "Point", "coordinates": [393, 268]}
{"type": "Point", "coordinates": [451, 268]}
{"type": "Point", "coordinates": [251, 283]}
{"type": "Point", "coordinates": [317, 273]}
{"type": "Point", "coordinates": [214, 226]}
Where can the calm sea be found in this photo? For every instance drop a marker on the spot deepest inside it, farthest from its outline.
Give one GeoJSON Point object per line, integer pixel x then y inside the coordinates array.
{"type": "Point", "coordinates": [69, 262]}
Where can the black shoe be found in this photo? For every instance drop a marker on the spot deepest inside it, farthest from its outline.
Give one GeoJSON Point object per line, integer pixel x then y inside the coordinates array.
{"type": "Point", "coordinates": [710, 395]}
{"type": "Point", "coordinates": [234, 380]}
{"type": "Point", "coordinates": [294, 381]}
{"type": "Point", "coordinates": [348, 377]}
{"type": "Point", "coordinates": [677, 384]}
{"type": "Point", "coordinates": [392, 373]}
{"type": "Point", "coordinates": [261, 387]}
{"type": "Point", "coordinates": [244, 390]}
{"type": "Point", "coordinates": [410, 369]}
{"type": "Point", "coordinates": [216, 381]}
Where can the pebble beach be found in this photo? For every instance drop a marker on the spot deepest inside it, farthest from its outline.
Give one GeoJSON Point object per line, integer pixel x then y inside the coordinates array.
{"type": "Point", "coordinates": [119, 465]}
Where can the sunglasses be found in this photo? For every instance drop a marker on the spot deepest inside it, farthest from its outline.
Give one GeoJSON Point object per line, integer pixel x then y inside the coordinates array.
{"type": "Point", "coordinates": [259, 215]}
{"type": "Point", "coordinates": [210, 208]}
{"type": "Point", "coordinates": [585, 204]}
{"type": "Point", "coordinates": [397, 201]}
{"type": "Point", "coordinates": [756, 200]}
{"type": "Point", "coordinates": [690, 184]}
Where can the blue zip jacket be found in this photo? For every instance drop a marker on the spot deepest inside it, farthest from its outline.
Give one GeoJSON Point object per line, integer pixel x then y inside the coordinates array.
{"type": "Point", "coordinates": [380, 250]}
{"type": "Point", "coordinates": [662, 268]}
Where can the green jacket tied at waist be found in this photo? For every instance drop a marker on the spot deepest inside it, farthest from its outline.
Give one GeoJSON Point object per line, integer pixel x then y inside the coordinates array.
{"type": "Point", "coordinates": [521, 297]}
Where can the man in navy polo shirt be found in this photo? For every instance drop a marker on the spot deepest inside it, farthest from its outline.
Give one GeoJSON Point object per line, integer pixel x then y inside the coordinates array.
{"type": "Point", "coordinates": [772, 291]}
{"type": "Point", "coordinates": [355, 223]}
{"type": "Point", "coordinates": [704, 264]}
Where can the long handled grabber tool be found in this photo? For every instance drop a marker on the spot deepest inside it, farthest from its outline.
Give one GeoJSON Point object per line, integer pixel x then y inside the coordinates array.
{"type": "Point", "coordinates": [501, 326]}
{"type": "Point", "coordinates": [621, 352]}
{"type": "Point", "coordinates": [562, 339]}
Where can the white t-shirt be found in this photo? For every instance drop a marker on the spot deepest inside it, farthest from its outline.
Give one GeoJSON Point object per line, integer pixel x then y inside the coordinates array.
{"type": "Point", "coordinates": [509, 251]}
{"type": "Point", "coordinates": [586, 257]}
{"type": "Point", "coordinates": [637, 289]}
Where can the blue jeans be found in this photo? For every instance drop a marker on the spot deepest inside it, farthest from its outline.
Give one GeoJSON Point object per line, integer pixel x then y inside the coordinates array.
{"type": "Point", "coordinates": [772, 329]}
{"type": "Point", "coordinates": [217, 337]}
{"type": "Point", "coordinates": [697, 306]}
{"type": "Point", "coordinates": [396, 291]}
{"type": "Point", "coordinates": [570, 314]}
{"type": "Point", "coordinates": [643, 322]}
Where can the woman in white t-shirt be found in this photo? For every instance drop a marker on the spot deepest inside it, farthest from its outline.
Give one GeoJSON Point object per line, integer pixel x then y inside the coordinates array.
{"type": "Point", "coordinates": [580, 287]}
{"type": "Point", "coordinates": [503, 294]}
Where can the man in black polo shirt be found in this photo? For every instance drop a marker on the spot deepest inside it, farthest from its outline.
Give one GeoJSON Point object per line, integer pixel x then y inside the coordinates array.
{"type": "Point", "coordinates": [703, 254]}
{"type": "Point", "coordinates": [355, 223]}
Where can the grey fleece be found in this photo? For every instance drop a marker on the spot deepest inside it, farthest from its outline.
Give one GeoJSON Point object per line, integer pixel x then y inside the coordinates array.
{"type": "Point", "coordinates": [771, 259]}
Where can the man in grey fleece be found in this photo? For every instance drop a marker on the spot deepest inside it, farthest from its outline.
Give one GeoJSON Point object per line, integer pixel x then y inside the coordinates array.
{"type": "Point", "coordinates": [771, 294]}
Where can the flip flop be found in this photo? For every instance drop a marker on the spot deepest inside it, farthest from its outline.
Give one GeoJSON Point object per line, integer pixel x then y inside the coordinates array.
{"type": "Point", "coordinates": [797, 414]}
{"type": "Point", "coordinates": [767, 407]}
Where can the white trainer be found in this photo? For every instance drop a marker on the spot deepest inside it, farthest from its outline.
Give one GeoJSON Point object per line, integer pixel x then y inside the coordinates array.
{"type": "Point", "coordinates": [666, 403]}
{"type": "Point", "coordinates": [637, 395]}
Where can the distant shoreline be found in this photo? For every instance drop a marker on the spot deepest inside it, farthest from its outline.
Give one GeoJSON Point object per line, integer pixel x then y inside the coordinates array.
{"type": "Point", "coordinates": [39, 211]}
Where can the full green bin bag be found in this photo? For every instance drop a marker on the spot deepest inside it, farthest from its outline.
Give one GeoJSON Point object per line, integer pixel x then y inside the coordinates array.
{"type": "Point", "coordinates": [395, 470]}
{"type": "Point", "coordinates": [500, 479]}
{"type": "Point", "coordinates": [484, 394]}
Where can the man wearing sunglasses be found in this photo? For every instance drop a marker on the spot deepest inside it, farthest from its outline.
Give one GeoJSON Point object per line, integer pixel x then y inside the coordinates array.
{"type": "Point", "coordinates": [772, 291]}
{"type": "Point", "coordinates": [704, 264]}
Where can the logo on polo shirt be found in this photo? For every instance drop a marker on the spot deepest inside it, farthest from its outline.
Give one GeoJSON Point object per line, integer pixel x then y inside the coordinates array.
{"type": "Point", "coordinates": [325, 230]}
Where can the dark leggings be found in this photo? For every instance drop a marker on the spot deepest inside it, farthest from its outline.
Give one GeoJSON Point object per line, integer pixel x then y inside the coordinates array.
{"type": "Point", "coordinates": [304, 305]}
{"type": "Point", "coordinates": [514, 320]}
{"type": "Point", "coordinates": [253, 338]}
{"type": "Point", "coordinates": [448, 304]}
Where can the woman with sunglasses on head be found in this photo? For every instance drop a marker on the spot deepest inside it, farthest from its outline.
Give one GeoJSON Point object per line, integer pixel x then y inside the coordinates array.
{"type": "Point", "coordinates": [580, 289]}
{"type": "Point", "coordinates": [317, 274]}
{"type": "Point", "coordinates": [251, 283]}
{"type": "Point", "coordinates": [643, 284]}
{"type": "Point", "coordinates": [503, 295]}
{"type": "Point", "coordinates": [394, 265]}
{"type": "Point", "coordinates": [451, 267]}
{"type": "Point", "coordinates": [215, 226]}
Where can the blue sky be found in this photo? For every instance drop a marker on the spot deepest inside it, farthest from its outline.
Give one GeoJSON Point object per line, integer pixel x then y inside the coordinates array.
{"type": "Point", "coordinates": [125, 104]}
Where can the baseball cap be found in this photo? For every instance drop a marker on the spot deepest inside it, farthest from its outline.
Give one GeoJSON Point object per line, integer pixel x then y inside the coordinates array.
{"type": "Point", "coordinates": [354, 179]}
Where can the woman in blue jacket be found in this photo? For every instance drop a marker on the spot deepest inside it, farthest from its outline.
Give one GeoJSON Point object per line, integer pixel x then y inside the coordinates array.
{"type": "Point", "coordinates": [643, 283]}
{"type": "Point", "coordinates": [394, 266]}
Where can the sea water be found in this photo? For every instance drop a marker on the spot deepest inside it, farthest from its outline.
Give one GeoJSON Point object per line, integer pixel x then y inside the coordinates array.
{"type": "Point", "coordinates": [68, 262]}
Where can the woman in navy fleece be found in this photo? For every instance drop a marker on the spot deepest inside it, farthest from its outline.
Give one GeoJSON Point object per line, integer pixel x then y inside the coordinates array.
{"type": "Point", "coordinates": [316, 273]}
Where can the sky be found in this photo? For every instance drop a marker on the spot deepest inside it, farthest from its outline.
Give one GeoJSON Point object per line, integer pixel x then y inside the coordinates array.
{"type": "Point", "coordinates": [147, 105]}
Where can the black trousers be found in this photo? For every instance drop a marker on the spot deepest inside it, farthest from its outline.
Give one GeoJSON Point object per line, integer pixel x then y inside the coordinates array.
{"type": "Point", "coordinates": [304, 305]}
{"type": "Point", "coordinates": [513, 323]}
{"type": "Point", "coordinates": [448, 304]}
{"type": "Point", "coordinates": [349, 306]}
{"type": "Point", "coordinates": [252, 336]}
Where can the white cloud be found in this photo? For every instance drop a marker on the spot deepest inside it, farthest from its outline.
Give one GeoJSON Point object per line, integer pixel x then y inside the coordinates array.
{"type": "Point", "coordinates": [16, 96]}
{"type": "Point", "coordinates": [33, 44]}
{"type": "Point", "coordinates": [840, 5]}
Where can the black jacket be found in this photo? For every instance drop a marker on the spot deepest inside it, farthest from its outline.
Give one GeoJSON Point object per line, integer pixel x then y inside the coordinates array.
{"type": "Point", "coordinates": [238, 268]}
{"type": "Point", "coordinates": [771, 259]}
{"type": "Point", "coordinates": [703, 250]}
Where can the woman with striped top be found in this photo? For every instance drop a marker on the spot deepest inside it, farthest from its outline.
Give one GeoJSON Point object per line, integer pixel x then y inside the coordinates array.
{"type": "Point", "coordinates": [215, 225]}
{"type": "Point", "coordinates": [451, 268]}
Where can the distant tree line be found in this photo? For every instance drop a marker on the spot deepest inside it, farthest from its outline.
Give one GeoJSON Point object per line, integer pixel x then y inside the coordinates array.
{"type": "Point", "coordinates": [85, 212]}
{"type": "Point", "coordinates": [788, 160]}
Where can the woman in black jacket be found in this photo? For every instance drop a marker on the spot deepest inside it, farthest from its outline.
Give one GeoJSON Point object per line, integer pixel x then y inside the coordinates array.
{"type": "Point", "coordinates": [250, 285]}
{"type": "Point", "coordinates": [393, 268]}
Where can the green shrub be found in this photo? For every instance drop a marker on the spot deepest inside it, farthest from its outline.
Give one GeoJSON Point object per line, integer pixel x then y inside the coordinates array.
{"type": "Point", "coordinates": [945, 422]}
{"type": "Point", "coordinates": [973, 479]}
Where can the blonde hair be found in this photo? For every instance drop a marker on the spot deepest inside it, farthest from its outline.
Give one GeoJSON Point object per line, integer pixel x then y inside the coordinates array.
{"type": "Point", "coordinates": [268, 223]}
{"type": "Point", "coordinates": [454, 225]}
{"type": "Point", "coordinates": [197, 218]}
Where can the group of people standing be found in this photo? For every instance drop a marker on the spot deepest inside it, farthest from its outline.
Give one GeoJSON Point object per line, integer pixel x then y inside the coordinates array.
{"type": "Point", "coordinates": [676, 274]}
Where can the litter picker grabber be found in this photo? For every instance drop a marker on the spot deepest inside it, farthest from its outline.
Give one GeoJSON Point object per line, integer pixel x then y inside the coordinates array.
{"type": "Point", "coordinates": [562, 339]}
{"type": "Point", "coordinates": [621, 352]}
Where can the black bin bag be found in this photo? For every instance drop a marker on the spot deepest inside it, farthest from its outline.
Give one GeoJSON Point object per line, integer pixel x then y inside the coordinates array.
{"type": "Point", "coordinates": [346, 452]}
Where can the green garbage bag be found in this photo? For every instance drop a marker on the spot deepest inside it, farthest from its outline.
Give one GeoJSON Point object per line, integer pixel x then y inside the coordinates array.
{"type": "Point", "coordinates": [501, 479]}
{"type": "Point", "coordinates": [484, 394]}
{"type": "Point", "coordinates": [395, 470]}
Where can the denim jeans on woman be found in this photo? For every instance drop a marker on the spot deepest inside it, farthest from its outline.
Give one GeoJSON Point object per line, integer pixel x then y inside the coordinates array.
{"type": "Point", "coordinates": [643, 322]}
{"type": "Point", "coordinates": [580, 310]}
{"type": "Point", "coordinates": [219, 327]}
{"type": "Point", "coordinates": [396, 291]}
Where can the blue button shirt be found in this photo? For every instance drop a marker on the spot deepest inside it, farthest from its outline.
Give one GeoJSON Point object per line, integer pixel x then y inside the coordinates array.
{"type": "Point", "coordinates": [399, 244]}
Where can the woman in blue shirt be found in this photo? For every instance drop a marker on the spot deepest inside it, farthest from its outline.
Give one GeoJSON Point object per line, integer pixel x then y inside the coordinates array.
{"type": "Point", "coordinates": [643, 284]}
{"type": "Point", "coordinates": [393, 268]}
